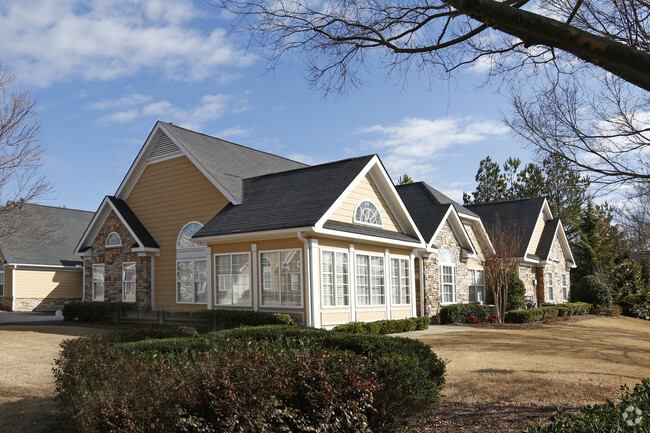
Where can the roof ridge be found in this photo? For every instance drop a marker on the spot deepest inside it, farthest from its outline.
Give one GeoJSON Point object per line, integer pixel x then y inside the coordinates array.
{"type": "Point", "coordinates": [234, 144]}
{"type": "Point", "coordinates": [310, 167]}
{"type": "Point", "coordinates": [505, 201]}
{"type": "Point", "coordinates": [54, 207]}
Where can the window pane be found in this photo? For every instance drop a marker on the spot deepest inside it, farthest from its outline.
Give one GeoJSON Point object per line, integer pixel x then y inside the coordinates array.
{"type": "Point", "coordinates": [327, 273]}
{"type": "Point", "coordinates": [342, 288]}
{"type": "Point", "coordinates": [363, 292]}
{"type": "Point", "coordinates": [128, 281]}
{"type": "Point", "coordinates": [291, 278]}
{"type": "Point", "coordinates": [184, 284]}
{"type": "Point", "coordinates": [200, 281]}
{"type": "Point", "coordinates": [377, 280]}
{"type": "Point", "coordinates": [405, 281]}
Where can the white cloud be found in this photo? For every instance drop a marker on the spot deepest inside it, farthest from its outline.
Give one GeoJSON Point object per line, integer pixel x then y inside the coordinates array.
{"type": "Point", "coordinates": [235, 131]}
{"type": "Point", "coordinates": [51, 41]}
{"type": "Point", "coordinates": [414, 145]}
{"type": "Point", "coordinates": [208, 108]}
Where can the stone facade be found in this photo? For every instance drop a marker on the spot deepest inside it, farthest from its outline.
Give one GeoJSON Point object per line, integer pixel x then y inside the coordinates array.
{"type": "Point", "coordinates": [528, 275]}
{"type": "Point", "coordinates": [112, 258]}
{"type": "Point", "coordinates": [557, 267]}
{"type": "Point", "coordinates": [40, 304]}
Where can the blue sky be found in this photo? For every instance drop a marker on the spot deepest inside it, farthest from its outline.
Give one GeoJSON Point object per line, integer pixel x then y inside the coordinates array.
{"type": "Point", "coordinates": [104, 72]}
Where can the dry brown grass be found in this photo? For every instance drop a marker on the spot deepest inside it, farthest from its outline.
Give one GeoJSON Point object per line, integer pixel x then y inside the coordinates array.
{"type": "Point", "coordinates": [26, 381]}
{"type": "Point", "coordinates": [565, 363]}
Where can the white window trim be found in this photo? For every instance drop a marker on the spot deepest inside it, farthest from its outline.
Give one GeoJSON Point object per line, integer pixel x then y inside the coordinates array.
{"type": "Point", "coordinates": [335, 307]}
{"type": "Point", "coordinates": [469, 281]}
{"type": "Point", "coordinates": [200, 246]}
{"type": "Point", "coordinates": [354, 215]}
{"type": "Point", "coordinates": [370, 304]}
{"type": "Point", "coordinates": [565, 287]}
{"type": "Point", "coordinates": [302, 283]}
{"type": "Point", "coordinates": [399, 284]}
{"type": "Point", "coordinates": [194, 302]}
{"type": "Point", "coordinates": [92, 278]}
{"type": "Point", "coordinates": [109, 236]}
{"type": "Point", "coordinates": [549, 286]}
{"type": "Point", "coordinates": [135, 282]}
{"type": "Point", "coordinates": [454, 289]}
{"type": "Point", "coordinates": [250, 278]}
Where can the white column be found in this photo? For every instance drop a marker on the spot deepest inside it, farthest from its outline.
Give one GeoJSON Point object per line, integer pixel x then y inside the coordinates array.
{"type": "Point", "coordinates": [422, 286]}
{"type": "Point", "coordinates": [387, 292]}
{"type": "Point", "coordinates": [352, 284]}
{"type": "Point", "coordinates": [208, 269]}
{"type": "Point", "coordinates": [315, 282]}
{"type": "Point", "coordinates": [254, 260]}
{"type": "Point", "coordinates": [412, 284]}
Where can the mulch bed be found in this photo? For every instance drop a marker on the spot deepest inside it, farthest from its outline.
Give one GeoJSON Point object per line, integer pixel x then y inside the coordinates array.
{"type": "Point", "coordinates": [453, 417]}
{"type": "Point", "coordinates": [531, 325]}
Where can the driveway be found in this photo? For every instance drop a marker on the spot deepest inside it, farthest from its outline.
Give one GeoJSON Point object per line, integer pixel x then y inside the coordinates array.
{"type": "Point", "coordinates": [27, 319]}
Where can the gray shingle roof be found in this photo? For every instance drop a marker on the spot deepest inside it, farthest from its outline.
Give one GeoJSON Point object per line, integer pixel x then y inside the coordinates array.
{"type": "Point", "coordinates": [134, 223]}
{"type": "Point", "coordinates": [516, 214]}
{"type": "Point", "coordinates": [546, 240]}
{"type": "Point", "coordinates": [230, 163]}
{"type": "Point", "coordinates": [42, 235]}
{"type": "Point", "coordinates": [428, 206]}
{"type": "Point", "coordinates": [291, 199]}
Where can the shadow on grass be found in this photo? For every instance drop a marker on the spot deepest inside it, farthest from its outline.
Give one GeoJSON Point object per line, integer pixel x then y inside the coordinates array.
{"type": "Point", "coordinates": [28, 415]}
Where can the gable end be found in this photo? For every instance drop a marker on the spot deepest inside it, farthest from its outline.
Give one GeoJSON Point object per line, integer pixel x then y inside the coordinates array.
{"type": "Point", "coordinates": [164, 147]}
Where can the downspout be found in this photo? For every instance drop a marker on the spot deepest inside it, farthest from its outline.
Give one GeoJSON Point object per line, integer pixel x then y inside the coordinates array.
{"type": "Point", "coordinates": [310, 306]}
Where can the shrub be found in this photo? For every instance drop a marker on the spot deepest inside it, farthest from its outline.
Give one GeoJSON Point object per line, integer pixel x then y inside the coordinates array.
{"type": "Point", "coordinates": [592, 290]}
{"type": "Point", "coordinates": [631, 413]}
{"type": "Point", "coordinates": [227, 319]}
{"type": "Point", "coordinates": [461, 313]}
{"type": "Point", "coordinates": [409, 373]}
{"type": "Point", "coordinates": [536, 314]}
{"type": "Point", "coordinates": [626, 279]}
{"type": "Point", "coordinates": [384, 326]}
{"type": "Point", "coordinates": [516, 298]}
{"type": "Point", "coordinates": [636, 305]}
{"type": "Point", "coordinates": [494, 318]}
{"type": "Point", "coordinates": [524, 316]}
{"type": "Point", "coordinates": [94, 311]}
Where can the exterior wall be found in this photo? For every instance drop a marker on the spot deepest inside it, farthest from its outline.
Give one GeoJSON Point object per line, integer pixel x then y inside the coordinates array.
{"type": "Point", "coordinates": [6, 300]}
{"type": "Point", "coordinates": [254, 248]}
{"type": "Point", "coordinates": [528, 275]}
{"type": "Point", "coordinates": [366, 189]}
{"type": "Point", "coordinates": [557, 268]}
{"type": "Point", "coordinates": [333, 315]}
{"type": "Point", "coordinates": [41, 289]}
{"type": "Point", "coordinates": [112, 258]}
{"type": "Point", "coordinates": [168, 195]}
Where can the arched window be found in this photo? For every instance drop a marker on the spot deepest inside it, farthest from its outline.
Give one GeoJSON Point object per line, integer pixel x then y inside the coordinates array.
{"type": "Point", "coordinates": [113, 240]}
{"type": "Point", "coordinates": [447, 275]}
{"type": "Point", "coordinates": [191, 267]}
{"type": "Point", "coordinates": [367, 213]}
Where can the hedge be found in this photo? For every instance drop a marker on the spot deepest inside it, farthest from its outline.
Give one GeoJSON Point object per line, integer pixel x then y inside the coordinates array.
{"type": "Point", "coordinates": [410, 375]}
{"type": "Point", "coordinates": [537, 314]}
{"type": "Point", "coordinates": [630, 414]}
{"type": "Point", "coordinates": [461, 313]}
{"type": "Point", "coordinates": [384, 326]}
{"type": "Point", "coordinates": [95, 311]}
{"type": "Point", "coordinates": [227, 319]}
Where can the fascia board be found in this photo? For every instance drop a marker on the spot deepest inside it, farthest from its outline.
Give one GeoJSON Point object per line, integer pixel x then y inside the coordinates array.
{"type": "Point", "coordinates": [482, 232]}
{"type": "Point", "coordinates": [92, 227]}
{"type": "Point", "coordinates": [442, 222]}
{"type": "Point", "coordinates": [565, 242]}
{"type": "Point", "coordinates": [259, 235]}
{"type": "Point", "coordinates": [537, 221]}
{"type": "Point", "coordinates": [456, 226]}
{"type": "Point", "coordinates": [372, 239]}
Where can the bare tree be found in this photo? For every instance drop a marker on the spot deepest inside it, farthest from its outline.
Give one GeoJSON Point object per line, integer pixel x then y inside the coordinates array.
{"type": "Point", "coordinates": [507, 241]}
{"type": "Point", "coordinates": [21, 161]}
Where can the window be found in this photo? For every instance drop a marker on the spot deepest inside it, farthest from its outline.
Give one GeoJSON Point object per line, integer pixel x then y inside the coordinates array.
{"type": "Point", "coordinates": [370, 280]}
{"type": "Point", "coordinates": [232, 278]}
{"type": "Point", "coordinates": [2, 283]}
{"type": "Point", "coordinates": [98, 282]}
{"type": "Point", "coordinates": [184, 239]}
{"type": "Point", "coordinates": [281, 278]}
{"type": "Point", "coordinates": [128, 281]}
{"type": "Point", "coordinates": [476, 285]}
{"type": "Point", "coordinates": [334, 274]}
{"type": "Point", "coordinates": [113, 240]}
{"type": "Point", "coordinates": [556, 254]}
{"type": "Point", "coordinates": [367, 213]}
{"type": "Point", "coordinates": [549, 284]}
{"type": "Point", "coordinates": [191, 281]}
{"type": "Point", "coordinates": [565, 292]}
{"type": "Point", "coordinates": [399, 281]}
{"type": "Point", "coordinates": [447, 275]}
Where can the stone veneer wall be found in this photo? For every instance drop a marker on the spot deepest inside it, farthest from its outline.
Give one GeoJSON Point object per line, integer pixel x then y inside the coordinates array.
{"type": "Point", "coordinates": [40, 304]}
{"type": "Point", "coordinates": [527, 275]}
{"type": "Point", "coordinates": [557, 268]}
{"type": "Point", "coordinates": [112, 258]}
{"type": "Point", "coordinates": [432, 270]}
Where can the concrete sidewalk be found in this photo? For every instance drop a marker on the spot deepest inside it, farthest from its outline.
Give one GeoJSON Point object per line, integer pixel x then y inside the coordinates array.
{"type": "Point", "coordinates": [433, 330]}
{"type": "Point", "coordinates": [12, 318]}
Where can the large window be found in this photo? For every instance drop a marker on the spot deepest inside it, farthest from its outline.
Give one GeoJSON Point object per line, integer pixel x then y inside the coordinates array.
{"type": "Point", "coordinates": [447, 275]}
{"type": "Point", "coordinates": [2, 283]}
{"type": "Point", "coordinates": [476, 285]}
{"type": "Point", "coordinates": [334, 273]}
{"type": "Point", "coordinates": [98, 282]}
{"type": "Point", "coordinates": [191, 267]}
{"type": "Point", "coordinates": [113, 240]}
{"type": "Point", "coordinates": [549, 284]}
{"type": "Point", "coordinates": [400, 281]}
{"type": "Point", "coordinates": [281, 278]}
{"type": "Point", "coordinates": [192, 281]}
{"type": "Point", "coordinates": [370, 280]}
{"type": "Point", "coordinates": [565, 292]}
{"type": "Point", "coordinates": [128, 281]}
{"type": "Point", "coordinates": [232, 278]}
{"type": "Point", "coordinates": [367, 213]}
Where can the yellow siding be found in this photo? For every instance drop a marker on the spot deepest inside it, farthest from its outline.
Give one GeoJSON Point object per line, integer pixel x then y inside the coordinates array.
{"type": "Point", "coordinates": [329, 318]}
{"type": "Point", "coordinates": [366, 189]}
{"type": "Point", "coordinates": [48, 284]}
{"type": "Point", "coordinates": [370, 316]}
{"type": "Point", "coordinates": [168, 195]}
{"type": "Point", "coordinates": [537, 234]}
{"type": "Point", "coordinates": [474, 262]}
{"type": "Point", "coordinates": [400, 314]}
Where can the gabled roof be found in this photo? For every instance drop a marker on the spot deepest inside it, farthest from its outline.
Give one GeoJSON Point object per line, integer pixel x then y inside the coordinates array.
{"type": "Point", "coordinates": [291, 199]}
{"type": "Point", "coordinates": [546, 240]}
{"type": "Point", "coordinates": [42, 235]}
{"type": "Point", "coordinates": [144, 240]}
{"type": "Point", "coordinates": [519, 215]}
{"type": "Point", "coordinates": [225, 164]}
